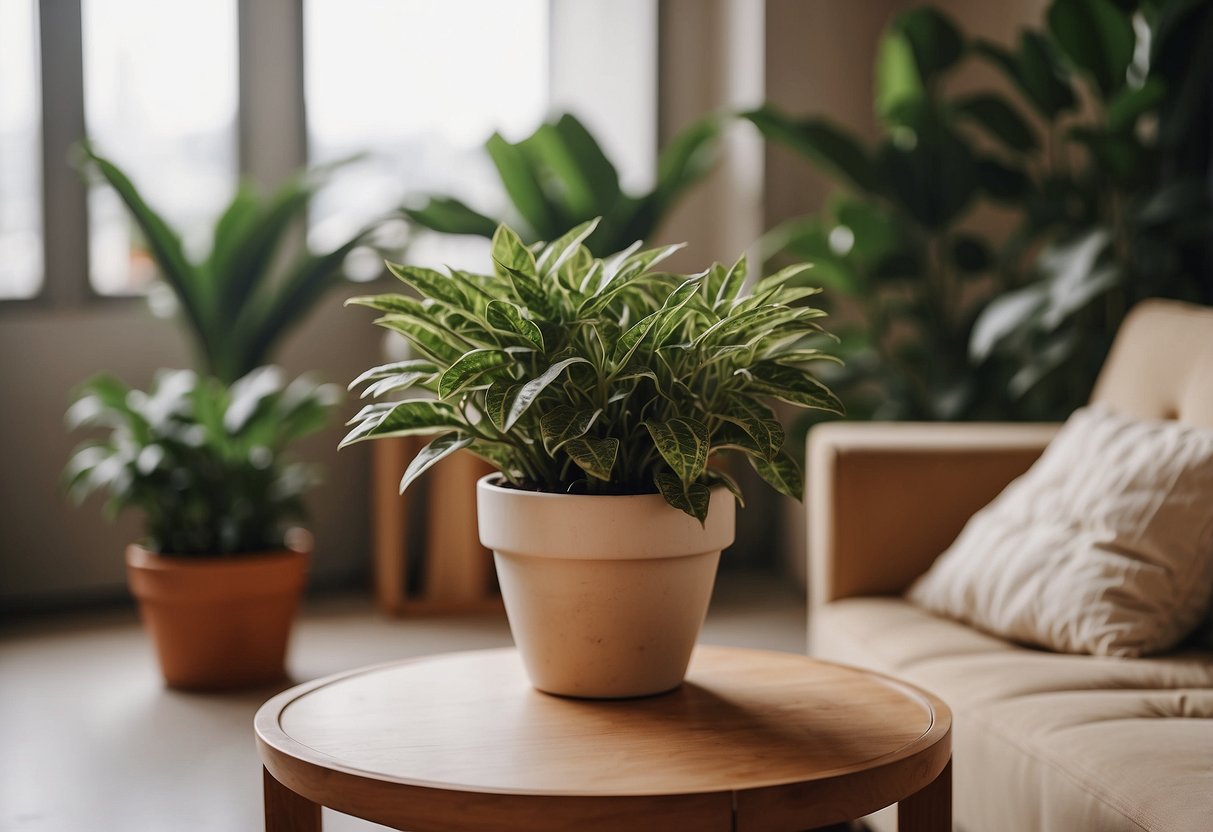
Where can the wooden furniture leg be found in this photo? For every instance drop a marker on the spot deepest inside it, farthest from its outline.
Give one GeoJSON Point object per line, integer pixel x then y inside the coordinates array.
{"type": "Point", "coordinates": [930, 810]}
{"type": "Point", "coordinates": [286, 811]}
{"type": "Point", "coordinates": [389, 459]}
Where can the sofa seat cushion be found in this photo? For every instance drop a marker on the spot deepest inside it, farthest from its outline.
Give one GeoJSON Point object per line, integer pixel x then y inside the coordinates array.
{"type": "Point", "coordinates": [1044, 741]}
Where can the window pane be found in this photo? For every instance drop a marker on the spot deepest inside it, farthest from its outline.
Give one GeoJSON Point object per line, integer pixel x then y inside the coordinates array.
{"type": "Point", "coordinates": [419, 85]}
{"type": "Point", "coordinates": [20, 151]}
{"type": "Point", "coordinates": [160, 98]}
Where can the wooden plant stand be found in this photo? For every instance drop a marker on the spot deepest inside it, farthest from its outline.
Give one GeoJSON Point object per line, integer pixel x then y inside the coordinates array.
{"type": "Point", "coordinates": [427, 554]}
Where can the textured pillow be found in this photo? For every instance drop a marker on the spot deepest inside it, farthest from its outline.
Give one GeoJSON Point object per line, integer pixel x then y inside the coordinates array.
{"type": "Point", "coordinates": [1104, 546]}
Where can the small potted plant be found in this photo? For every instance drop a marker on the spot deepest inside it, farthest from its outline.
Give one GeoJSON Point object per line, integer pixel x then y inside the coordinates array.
{"type": "Point", "coordinates": [202, 454]}
{"type": "Point", "coordinates": [219, 576]}
{"type": "Point", "coordinates": [602, 390]}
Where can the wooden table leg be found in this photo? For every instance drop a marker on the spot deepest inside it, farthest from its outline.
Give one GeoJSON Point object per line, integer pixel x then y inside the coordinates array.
{"type": "Point", "coordinates": [930, 810]}
{"type": "Point", "coordinates": [286, 811]}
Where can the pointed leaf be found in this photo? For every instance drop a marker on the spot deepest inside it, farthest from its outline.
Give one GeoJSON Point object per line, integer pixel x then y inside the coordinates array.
{"type": "Point", "coordinates": [468, 368]}
{"type": "Point", "coordinates": [497, 400]}
{"type": "Point", "coordinates": [594, 456]}
{"type": "Point", "coordinates": [692, 499]}
{"type": "Point", "coordinates": [503, 315]}
{"type": "Point", "coordinates": [821, 141]}
{"type": "Point", "coordinates": [411, 418]}
{"type": "Point", "coordinates": [509, 252]}
{"type": "Point", "coordinates": [563, 423]}
{"type": "Point", "coordinates": [783, 474]}
{"type": "Point", "coordinates": [683, 444]}
{"type": "Point", "coordinates": [440, 448]}
{"type": "Point", "coordinates": [522, 183]}
{"type": "Point", "coordinates": [792, 385]}
{"type": "Point", "coordinates": [531, 390]}
{"type": "Point", "coordinates": [450, 216]}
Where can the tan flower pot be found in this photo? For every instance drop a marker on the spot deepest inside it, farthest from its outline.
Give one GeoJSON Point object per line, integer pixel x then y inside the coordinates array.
{"type": "Point", "coordinates": [605, 595]}
{"type": "Point", "coordinates": [219, 622]}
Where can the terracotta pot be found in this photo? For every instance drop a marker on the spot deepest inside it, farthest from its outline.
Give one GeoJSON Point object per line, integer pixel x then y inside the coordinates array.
{"type": "Point", "coordinates": [219, 622]}
{"type": "Point", "coordinates": [605, 595]}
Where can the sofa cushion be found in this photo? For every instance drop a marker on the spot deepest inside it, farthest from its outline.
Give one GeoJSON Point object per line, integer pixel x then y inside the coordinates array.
{"type": "Point", "coordinates": [1104, 546]}
{"type": "Point", "coordinates": [1045, 741]}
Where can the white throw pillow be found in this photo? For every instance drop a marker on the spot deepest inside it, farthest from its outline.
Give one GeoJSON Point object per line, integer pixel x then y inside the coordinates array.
{"type": "Point", "coordinates": [1105, 546]}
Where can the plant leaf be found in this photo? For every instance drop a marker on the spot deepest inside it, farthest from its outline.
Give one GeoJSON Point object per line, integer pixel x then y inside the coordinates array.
{"type": "Point", "coordinates": [1000, 120]}
{"type": "Point", "coordinates": [692, 499]}
{"type": "Point", "coordinates": [436, 450]}
{"type": "Point", "coordinates": [683, 444]}
{"type": "Point", "coordinates": [1097, 37]}
{"type": "Point", "coordinates": [522, 183]}
{"type": "Point", "coordinates": [430, 283]}
{"type": "Point", "coordinates": [471, 366]}
{"type": "Point", "coordinates": [531, 390]}
{"type": "Point", "coordinates": [409, 418]}
{"type": "Point", "coordinates": [450, 216]}
{"type": "Point", "coordinates": [792, 385]}
{"type": "Point", "coordinates": [594, 456]}
{"type": "Point", "coordinates": [824, 143]}
{"type": "Point", "coordinates": [503, 315]}
{"type": "Point", "coordinates": [782, 473]}
{"type": "Point", "coordinates": [563, 423]}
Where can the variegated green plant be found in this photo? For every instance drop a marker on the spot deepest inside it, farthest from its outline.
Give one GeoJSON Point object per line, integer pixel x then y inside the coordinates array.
{"type": "Point", "coordinates": [574, 374]}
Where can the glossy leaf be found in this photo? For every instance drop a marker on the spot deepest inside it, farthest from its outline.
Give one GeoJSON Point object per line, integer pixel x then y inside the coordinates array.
{"type": "Point", "coordinates": [432, 453]}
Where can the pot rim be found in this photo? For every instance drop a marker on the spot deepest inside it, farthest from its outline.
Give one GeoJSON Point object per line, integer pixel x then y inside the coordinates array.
{"type": "Point", "coordinates": [296, 542]}
{"type": "Point", "coordinates": [494, 480]}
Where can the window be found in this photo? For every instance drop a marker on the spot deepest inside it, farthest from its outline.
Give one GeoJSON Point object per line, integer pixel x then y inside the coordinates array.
{"type": "Point", "coordinates": [20, 152]}
{"type": "Point", "coordinates": [160, 98]}
{"type": "Point", "coordinates": [419, 85]}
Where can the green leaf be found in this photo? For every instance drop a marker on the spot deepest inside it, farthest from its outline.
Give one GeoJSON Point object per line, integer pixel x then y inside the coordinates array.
{"type": "Point", "coordinates": [522, 182]}
{"type": "Point", "coordinates": [1097, 37]}
{"type": "Point", "coordinates": [718, 477]}
{"type": "Point", "coordinates": [1000, 120]}
{"type": "Point", "coordinates": [683, 444]}
{"type": "Point", "coordinates": [593, 166]}
{"type": "Point", "coordinates": [436, 450]}
{"type": "Point", "coordinates": [1132, 103]}
{"type": "Point", "coordinates": [766, 434]}
{"type": "Point", "coordinates": [594, 456]}
{"type": "Point", "coordinates": [429, 283]}
{"type": "Point", "coordinates": [792, 385]}
{"type": "Point", "coordinates": [431, 340]}
{"type": "Point", "coordinates": [782, 473]}
{"type": "Point", "coordinates": [497, 401]}
{"type": "Point", "coordinates": [684, 161]}
{"type": "Point", "coordinates": [692, 499]}
{"type": "Point", "coordinates": [730, 289]}
{"type": "Point", "coordinates": [450, 216]}
{"type": "Point", "coordinates": [563, 423]}
{"type": "Point", "coordinates": [581, 192]}
{"type": "Point", "coordinates": [505, 316]}
{"type": "Point", "coordinates": [531, 390]}
{"type": "Point", "coordinates": [509, 252]}
{"type": "Point", "coordinates": [557, 253]}
{"type": "Point", "coordinates": [410, 418]}
{"type": "Point", "coordinates": [934, 39]}
{"type": "Point", "coordinates": [470, 367]}
{"type": "Point", "coordinates": [1035, 71]}
{"type": "Point", "coordinates": [389, 303]}
{"type": "Point", "coordinates": [822, 142]}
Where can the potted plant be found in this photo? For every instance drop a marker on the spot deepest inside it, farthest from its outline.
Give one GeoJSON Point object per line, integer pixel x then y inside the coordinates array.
{"type": "Point", "coordinates": [602, 390]}
{"type": "Point", "coordinates": [202, 454]}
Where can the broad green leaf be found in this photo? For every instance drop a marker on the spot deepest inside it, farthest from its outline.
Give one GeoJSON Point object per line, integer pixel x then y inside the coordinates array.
{"type": "Point", "coordinates": [632, 338]}
{"type": "Point", "coordinates": [684, 161]}
{"type": "Point", "coordinates": [509, 252]}
{"type": "Point", "coordinates": [594, 456]}
{"type": "Point", "coordinates": [692, 499]}
{"type": "Point", "coordinates": [792, 385]}
{"type": "Point", "coordinates": [766, 434]}
{"type": "Point", "coordinates": [505, 316]}
{"type": "Point", "coordinates": [1034, 70]}
{"type": "Point", "coordinates": [718, 477]}
{"type": "Point", "coordinates": [563, 423]}
{"type": "Point", "coordinates": [436, 450]}
{"type": "Point", "coordinates": [1000, 120]}
{"type": "Point", "coordinates": [592, 165]}
{"type": "Point", "coordinates": [821, 141]}
{"type": "Point", "coordinates": [683, 444]}
{"type": "Point", "coordinates": [1097, 37]}
{"type": "Point", "coordinates": [470, 367]}
{"type": "Point", "coordinates": [411, 418]}
{"type": "Point", "coordinates": [450, 216]}
{"type": "Point", "coordinates": [782, 473]}
{"type": "Point", "coordinates": [530, 292]}
{"type": "Point", "coordinates": [429, 283]}
{"type": "Point", "coordinates": [1132, 103]}
{"type": "Point", "coordinates": [497, 401]}
{"type": "Point", "coordinates": [522, 183]}
{"type": "Point", "coordinates": [531, 390]}
{"type": "Point", "coordinates": [934, 40]}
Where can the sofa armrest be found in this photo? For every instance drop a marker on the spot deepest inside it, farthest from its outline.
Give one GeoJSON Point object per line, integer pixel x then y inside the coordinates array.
{"type": "Point", "coordinates": [886, 499]}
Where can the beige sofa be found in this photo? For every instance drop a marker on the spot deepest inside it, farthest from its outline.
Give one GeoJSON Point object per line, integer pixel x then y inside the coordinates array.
{"type": "Point", "coordinates": [1042, 741]}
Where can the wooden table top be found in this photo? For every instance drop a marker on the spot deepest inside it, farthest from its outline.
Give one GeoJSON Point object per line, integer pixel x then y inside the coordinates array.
{"type": "Point", "coordinates": [771, 726]}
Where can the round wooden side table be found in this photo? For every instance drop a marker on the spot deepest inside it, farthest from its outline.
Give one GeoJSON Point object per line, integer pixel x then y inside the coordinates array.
{"type": "Point", "coordinates": [753, 740]}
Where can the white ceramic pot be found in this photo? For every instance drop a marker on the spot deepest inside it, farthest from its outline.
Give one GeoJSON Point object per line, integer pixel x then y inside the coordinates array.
{"type": "Point", "coordinates": [605, 595]}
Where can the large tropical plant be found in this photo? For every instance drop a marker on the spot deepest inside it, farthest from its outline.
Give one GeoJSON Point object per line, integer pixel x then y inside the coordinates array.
{"type": "Point", "coordinates": [559, 177]}
{"type": "Point", "coordinates": [571, 373]}
{"type": "Point", "coordinates": [951, 323]}
{"type": "Point", "coordinates": [241, 299]}
{"type": "Point", "coordinates": [204, 462]}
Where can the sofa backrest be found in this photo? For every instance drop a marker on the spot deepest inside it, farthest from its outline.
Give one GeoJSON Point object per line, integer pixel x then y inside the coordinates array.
{"type": "Point", "coordinates": [1161, 364]}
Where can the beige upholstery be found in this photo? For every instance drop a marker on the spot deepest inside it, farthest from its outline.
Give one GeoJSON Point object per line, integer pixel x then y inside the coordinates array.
{"type": "Point", "coordinates": [1042, 741]}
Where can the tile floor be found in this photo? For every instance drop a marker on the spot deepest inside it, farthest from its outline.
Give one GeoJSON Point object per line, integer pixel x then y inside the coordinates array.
{"type": "Point", "coordinates": [91, 740]}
